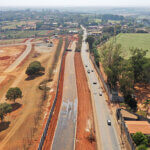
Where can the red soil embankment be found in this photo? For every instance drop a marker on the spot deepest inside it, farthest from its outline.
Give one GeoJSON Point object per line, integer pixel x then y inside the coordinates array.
{"type": "Point", "coordinates": [85, 122]}
{"type": "Point", "coordinates": [53, 122]}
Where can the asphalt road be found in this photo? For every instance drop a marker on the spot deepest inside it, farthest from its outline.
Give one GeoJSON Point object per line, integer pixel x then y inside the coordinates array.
{"type": "Point", "coordinates": [64, 138]}
{"type": "Point", "coordinates": [107, 134]}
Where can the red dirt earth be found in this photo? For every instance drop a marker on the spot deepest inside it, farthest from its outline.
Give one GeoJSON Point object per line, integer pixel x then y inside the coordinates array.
{"type": "Point", "coordinates": [85, 113]}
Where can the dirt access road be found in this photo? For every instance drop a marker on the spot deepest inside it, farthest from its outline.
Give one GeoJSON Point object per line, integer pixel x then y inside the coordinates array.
{"type": "Point", "coordinates": [64, 138]}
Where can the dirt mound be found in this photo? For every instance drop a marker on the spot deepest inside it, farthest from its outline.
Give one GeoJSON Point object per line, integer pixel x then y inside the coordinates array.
{"type": "Point", "coordinates": [4, 57]}
{"type": "Point", "coordinates": [85, 123]}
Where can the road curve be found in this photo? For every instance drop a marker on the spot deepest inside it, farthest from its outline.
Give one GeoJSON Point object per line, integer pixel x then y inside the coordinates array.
{"type": "Point", "coordinates": [21, 57]}
{"type": "Point", "coordinates": [108, 136]}
{"type": "Point", "coordinates": [64, 138]}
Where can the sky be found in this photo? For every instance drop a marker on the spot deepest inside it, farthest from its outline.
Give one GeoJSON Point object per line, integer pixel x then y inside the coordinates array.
{"type": "Point", "coordinates": [52, 3]}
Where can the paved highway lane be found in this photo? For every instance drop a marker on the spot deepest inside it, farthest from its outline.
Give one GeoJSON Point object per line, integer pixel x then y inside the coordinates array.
{"type": "Point", "coordinates": [66, 126]}
{"type": "Point", "coordinates": [107, 134]}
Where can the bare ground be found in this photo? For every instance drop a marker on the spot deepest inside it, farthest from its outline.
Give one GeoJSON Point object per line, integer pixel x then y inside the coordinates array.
{"type": "Point", "coordinates": [20, 130]}
{"type": "Point", "coordinates": [85, 122]}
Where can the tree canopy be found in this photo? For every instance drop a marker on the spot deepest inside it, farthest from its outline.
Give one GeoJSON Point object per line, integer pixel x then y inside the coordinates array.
{"type": "Point", "coordinates": [4, 109]}
{"type": "Point", "coordinates": [139, 138]}
{"type": "Point", "coordinates": [34, 68]}
{"type": "Point", "coordinates": [14, 93]}
{"type": "Point", "coordinates": [90, 40]}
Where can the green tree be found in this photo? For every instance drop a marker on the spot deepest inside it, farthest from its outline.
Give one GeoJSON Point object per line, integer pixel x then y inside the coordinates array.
{"type": "Point", "coordinates": [146, 72]}
{"type": "Point", "coordinates": [139, 138]}
{"type": "Point", "coordinates": [90, 40]}
{"type": "Point", "coordinates": [137, 60]}
{"type": "Point", "coordinates": [14, 93]}
{"type": "Point", "coordinates": [141, 147]}
{"type": "Point", "coordinates": [110, 56]}
{"type": "Point", "coordinates": [4, 109]}
{"type": "Point", "coordinates": [34, 68]}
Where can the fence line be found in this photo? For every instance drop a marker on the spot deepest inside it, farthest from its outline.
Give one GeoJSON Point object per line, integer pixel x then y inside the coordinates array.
{"type": "Point", "coordinates": [52, 109]}
{"type": "Point", "coordinates": [122, 125]}
{"type": "Point", "coordinates": [125, 130]}
{"type": "Point", "coordinates": [102, 79]}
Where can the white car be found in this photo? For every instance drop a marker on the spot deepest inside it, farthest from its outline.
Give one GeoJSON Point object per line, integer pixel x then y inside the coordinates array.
{"type": "Point", "coordinates": [100, 93]}
{"type": "Point", "coordinates": [109, 122]}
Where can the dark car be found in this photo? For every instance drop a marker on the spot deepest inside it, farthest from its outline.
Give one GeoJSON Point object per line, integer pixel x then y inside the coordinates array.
{"type": "Point", "coordinates": [94, 82]}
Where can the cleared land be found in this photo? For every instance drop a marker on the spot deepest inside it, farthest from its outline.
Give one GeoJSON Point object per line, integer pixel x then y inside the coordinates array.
{"type": "Point", "coordinates": [85, 123]}
{"type": "Point", "coordinates": [29, 112]}
{"type": "Point", "coordinates": [9, 54]}
{"type": "Point", "coordinates": [136, 40]}
{"type": "Point", "coordinates": [12, 41]}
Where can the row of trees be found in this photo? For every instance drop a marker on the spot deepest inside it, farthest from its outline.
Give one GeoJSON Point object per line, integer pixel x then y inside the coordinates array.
{"type": "Point", "coordinates": [123, 72]}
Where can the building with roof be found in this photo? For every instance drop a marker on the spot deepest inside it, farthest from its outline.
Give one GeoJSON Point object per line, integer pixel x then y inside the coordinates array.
{"type": "Point", "coordinates": [138, 126]}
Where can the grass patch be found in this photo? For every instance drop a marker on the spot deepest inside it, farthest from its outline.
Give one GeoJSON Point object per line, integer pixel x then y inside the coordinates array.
{"type": "Point", "coordinates": [136, 40]}
{"type": "Point", "coordinates": [142, 113]}
{"type": "Point", "coordinates": [23, 34]}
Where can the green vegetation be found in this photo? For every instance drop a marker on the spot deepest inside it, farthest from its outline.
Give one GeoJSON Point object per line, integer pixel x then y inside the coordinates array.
{"type": "Point", "coordinates": [140, 139]}
{"type": "Point", "coordinates": [23, 34]}
{"type": "Point", "coordinates": [93, 48]}
{"type": "Point", "coordinates": [14, 93]}
{"type": "Point", "coordinates": [56, 57]}
{"type": "Point", "coordinates": [141, 147]}
{"type": "Point", "coordinates": [4, 109]}
{"type": "Point", "coordinates": [34, 68]}
{"type": "Point", "coordinates": [136, 40]}
{"type": "Point", "coordinates": [125, 72]}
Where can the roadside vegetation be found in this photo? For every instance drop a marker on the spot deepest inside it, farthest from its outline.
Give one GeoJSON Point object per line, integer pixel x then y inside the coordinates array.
{"type": "Point", "coordinates": [141, 140]}
{"type": "Point", "coordinates": [79, 43]}
{"type": "Point", "coordinates": [122, 73]}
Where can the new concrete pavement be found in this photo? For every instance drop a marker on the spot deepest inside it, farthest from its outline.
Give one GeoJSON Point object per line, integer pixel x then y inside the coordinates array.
{"type": "Point", "coordinates": [64, 138]}
{"type": "Point", "coordinates": [108, 136]}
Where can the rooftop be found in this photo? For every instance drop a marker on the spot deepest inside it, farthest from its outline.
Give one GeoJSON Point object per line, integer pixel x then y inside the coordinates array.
{"type": "Point", "coordinates": [138, 126]}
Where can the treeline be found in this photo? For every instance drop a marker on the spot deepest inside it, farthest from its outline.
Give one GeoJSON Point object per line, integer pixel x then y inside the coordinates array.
{"type": "Point", "coordinates": [121, 72]}
{"type": "Point", "coordinates": [110, 17]}
{"type": "Point", "coordinates": [125, 73]}
{"type": "Point", "coordinates": [79, 43]}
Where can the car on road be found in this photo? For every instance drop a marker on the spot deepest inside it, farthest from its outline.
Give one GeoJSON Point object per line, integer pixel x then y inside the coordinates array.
{"type": "Point", "coordinates": [92, 71]}
{"type": "Point", "coordinates": [100, 93]}
{"type": "Point", "coordinates": [109, 122]}
{"type": "Point", "coordinates": [88, 71]}
{"type": "Point", "coordinates": [94, 82]}
{"type": "Point", "coordinates": [86, 66]}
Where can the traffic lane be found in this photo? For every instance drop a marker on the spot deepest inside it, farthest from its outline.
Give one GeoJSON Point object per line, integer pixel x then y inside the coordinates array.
{"type": "Point", "coordinates": [106, 114]}
{"type": "Point", "coordinates": [65, 130]}
{"type": "Point", "coordinates": [111, 131]}
{"type": "Point", "coordinates": [102, 114]}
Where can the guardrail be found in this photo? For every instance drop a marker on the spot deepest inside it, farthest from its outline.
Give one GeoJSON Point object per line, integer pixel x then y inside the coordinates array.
{"type": "Point", "coordinates": [53, 106]}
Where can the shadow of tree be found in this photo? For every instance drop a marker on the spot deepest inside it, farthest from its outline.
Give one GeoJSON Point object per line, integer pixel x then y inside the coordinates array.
{"type": "Point", "coordinates": [4, 125]}
{"type": "Point", "coordinates": [15, 106]}
{"type": "Point", "coordinates": [34, 76]}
